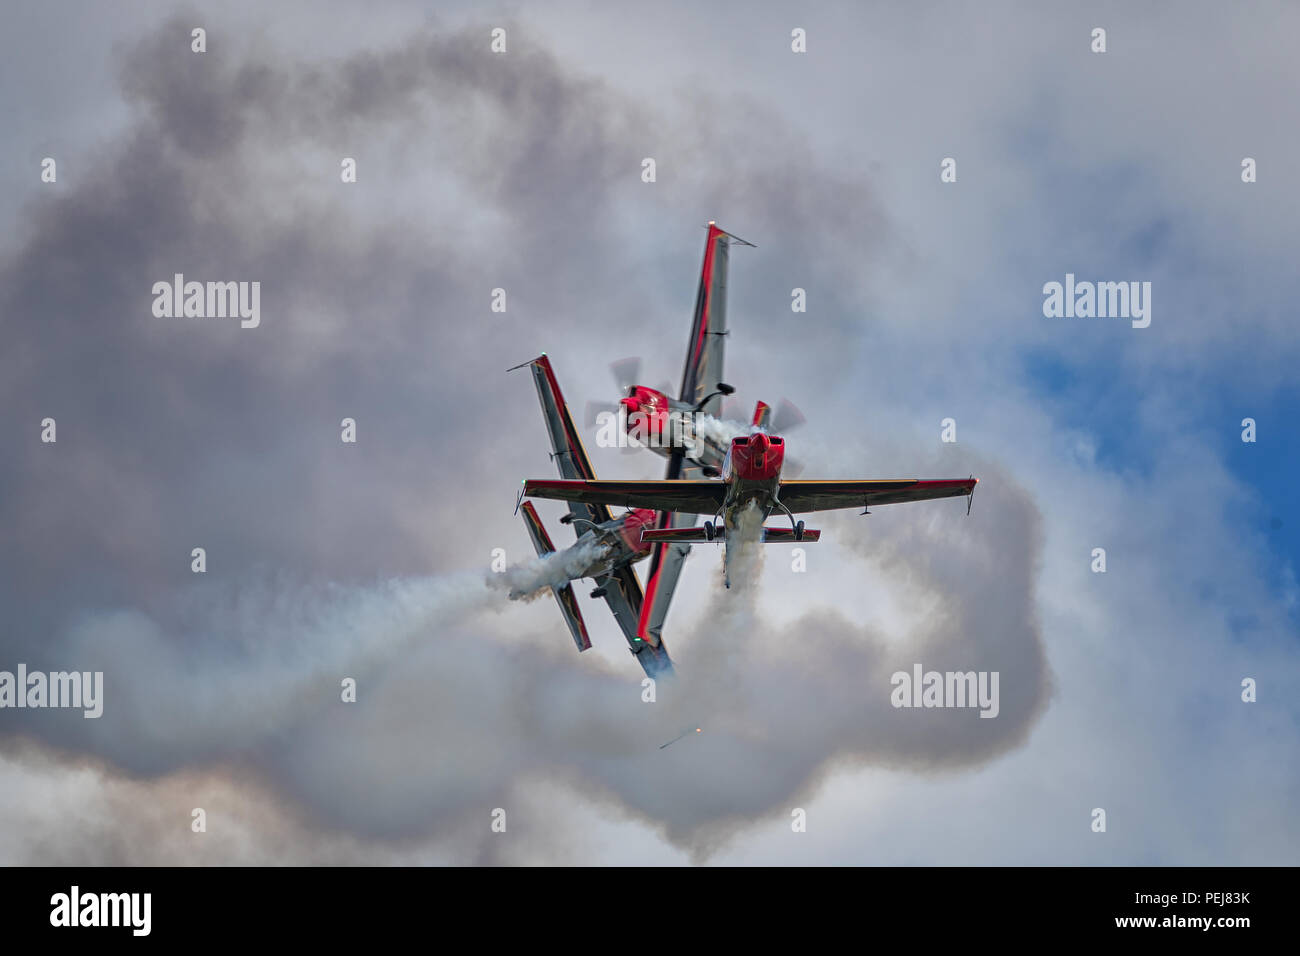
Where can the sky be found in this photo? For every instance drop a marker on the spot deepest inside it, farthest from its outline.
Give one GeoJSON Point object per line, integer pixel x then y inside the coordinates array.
{"type": "Point", "coordinates": [522, 170]}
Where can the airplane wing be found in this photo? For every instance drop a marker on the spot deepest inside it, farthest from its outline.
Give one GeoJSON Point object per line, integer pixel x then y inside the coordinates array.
{"type": "Point", "coordinates": [703, 368]}
{"type": "Point", "coordinates": [626, 601]}
{"type": "Point", "coordinates": [667, 558]}
{"type": "Point", "coordinates": [690, 497]}
{"type": "Point", "coordinates": [802, 496]}
{"type": "Point", "coordinates": [624, 598]}
{"type": "Point", "coordinates": [566, 444]}
{"type": "Point", "coordinates": [699, 535]}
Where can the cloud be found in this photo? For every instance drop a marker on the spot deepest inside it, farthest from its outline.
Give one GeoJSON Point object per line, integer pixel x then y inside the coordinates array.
{"type": "Point", "coordinates": [329, 560]}
{"type": "Point", "coordinates": [180, 433]}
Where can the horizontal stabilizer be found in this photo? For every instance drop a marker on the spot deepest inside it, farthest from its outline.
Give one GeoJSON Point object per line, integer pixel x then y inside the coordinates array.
{"type": "Point", "coordinates": [780, 535]}
{"type": "Point", "coordinates": [536, 531]}
{"type": "Point", "coordinates": [568, 600]}
{"type": "Point", "coordinates": [682, 535]}
{"type": "Point", "coordinates": [572, 616]}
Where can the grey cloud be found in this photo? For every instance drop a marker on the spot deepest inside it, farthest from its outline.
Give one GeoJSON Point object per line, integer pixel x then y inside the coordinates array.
{"type": "Point", "coordinates": [174, 434]}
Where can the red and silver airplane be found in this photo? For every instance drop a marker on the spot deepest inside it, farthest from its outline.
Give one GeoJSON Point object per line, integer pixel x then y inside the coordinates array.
{"type": "Point", "coordinates": [750, 471]}
{"type": "Point", "coordinates": [614, 544]}
{"type": "Point", "coordinates": [650, 417]}
{"type": "Point", "coordinates": [691, 426]}
{"type": "Point", "coordinates": [751, 478]}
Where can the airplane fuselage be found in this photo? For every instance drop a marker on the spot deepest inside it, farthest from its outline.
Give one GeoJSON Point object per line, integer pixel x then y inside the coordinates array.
{"type": "Point", "coordinates": [615, 543]}
{"type": "Point", "coordinates": [652, 420]}
{"type": "Point", "coordinates": [752, 470]}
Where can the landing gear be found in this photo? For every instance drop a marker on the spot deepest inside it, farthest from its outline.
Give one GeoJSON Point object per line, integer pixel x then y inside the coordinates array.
{"type": "Point", "coordinates": [710, 531]}
{"type": "Point", "coordinates": [796, 525]}
{"type": "Point", "coordinates": [599, 592]}
{"type": "Point", "coordinates": [567, 518]}
{"type": "Point", "coordinates": [722, 389]}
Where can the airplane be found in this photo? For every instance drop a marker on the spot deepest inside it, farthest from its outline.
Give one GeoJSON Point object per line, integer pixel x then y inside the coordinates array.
{"type": "Point", "coordinates": [614, 544]}
{"type": "Point", "coordinates": [648, 415]}
{"type": "Point", "coordinates": [692, 424]}
{"type": "Point", "coordinates": [751, 478]}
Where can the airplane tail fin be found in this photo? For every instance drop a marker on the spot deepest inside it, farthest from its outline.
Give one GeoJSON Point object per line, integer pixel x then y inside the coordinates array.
{"type": "Point", "coordinates": [564, 595]}
{"type": "Point", "coordinates": [762, 415]}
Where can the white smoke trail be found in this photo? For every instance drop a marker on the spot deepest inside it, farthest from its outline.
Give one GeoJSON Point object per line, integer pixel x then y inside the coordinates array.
{"type": "Point", "coordinates": [720, 431]}
{"type": "Point", "coordinates": [249, 663]}
{"type": "Point", "coordinates": [530, 578]}
{"type": "Point", "coordinates": [708, 693]}
{"type": "Point", "coordinates": [746, 547]}
{"type": "Point", "coordinates": [449, 718]}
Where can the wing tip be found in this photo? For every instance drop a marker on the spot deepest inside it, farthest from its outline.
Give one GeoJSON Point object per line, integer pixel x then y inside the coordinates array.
{"type": "Point", "coordinates": [540, 358]}
{"type": "Point", "coordinates": [714, 228]}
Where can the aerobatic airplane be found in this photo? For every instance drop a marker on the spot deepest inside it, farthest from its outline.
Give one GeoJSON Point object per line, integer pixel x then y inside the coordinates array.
{"type": "Point", "coordinates": [692, 424]}
{"type": "Point", "coordinates": [645, 414]}
{"type": "Point", "coordinates": [751, 477]}
{"type": "Point", "coordinates": [614, 544]}
{"type": "Point", "coordinates": [650, 417]}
